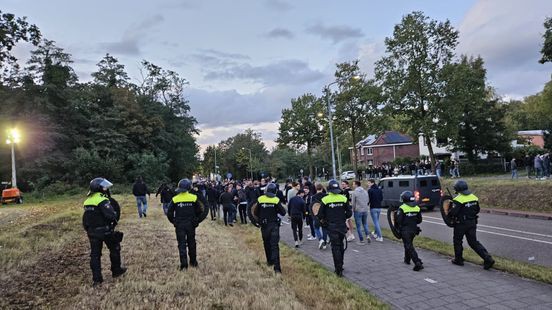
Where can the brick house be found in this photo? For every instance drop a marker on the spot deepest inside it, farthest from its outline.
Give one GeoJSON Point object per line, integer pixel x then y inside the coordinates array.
{"type": "Point", "coordinates": [376, 150]}
{"type": "Point", "coordinates": [529, 137]}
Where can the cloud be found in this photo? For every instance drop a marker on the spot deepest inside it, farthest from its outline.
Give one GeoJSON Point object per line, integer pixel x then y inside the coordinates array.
{"type": "Point", "coordinates": [280, 33]}
{"type": "Point", "coordinates": [278, 73]}
{"type": "Point", "coordinates": [279, 5]}
{"type": "Point", "coordinates": [133, 37]}
{"type": "Point", "coordinates": [507, 34]}
{"type": "Point", "coordinates": [181, 4]}
{"type": "Point", "coordinates": [214, 135]}
{"type": "Point", "coordinates": [336, 33]}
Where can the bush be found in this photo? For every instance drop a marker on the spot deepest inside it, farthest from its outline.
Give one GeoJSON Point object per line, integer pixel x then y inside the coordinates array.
{"type": "Point", "coordinates": [481, 168]}
{"type": "Point", "coordinates": [59, 188]}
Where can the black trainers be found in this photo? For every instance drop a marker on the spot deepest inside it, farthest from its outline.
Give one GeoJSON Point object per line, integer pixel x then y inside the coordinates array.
{"type": "Point", "coordinates": [119, 273]}
{"type": "Point", "coordinates": [183, 267]}
{"type": "Point", "coordinates": [488, 264]}
{"type": "Point", "coordinates": [457, 262]}
{"type": "Point", "coordinates": [97, 283]}
{"type": "Point", "coordinates": [339, 273]}
{"type": "Point", "coordinates": [145, 215]}
{"type": "Point", "coordinates": [407, 261]}
{"type": "Point", "coordinates": [194, 264]}
{"type": "Point", "coordinates": [418, 267]}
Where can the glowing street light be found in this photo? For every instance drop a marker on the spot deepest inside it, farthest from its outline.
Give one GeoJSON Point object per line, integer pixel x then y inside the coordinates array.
{"type": "Point", "coordinates": [14, 137]}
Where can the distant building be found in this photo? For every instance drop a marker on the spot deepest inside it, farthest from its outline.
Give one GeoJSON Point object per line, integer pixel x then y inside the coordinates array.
{"type": "Point", "coordinates": [440, 148]}
{"type": "Point", "coordinates": [376, 150]}
{"type": "Point", "coordinates": [529, 137]}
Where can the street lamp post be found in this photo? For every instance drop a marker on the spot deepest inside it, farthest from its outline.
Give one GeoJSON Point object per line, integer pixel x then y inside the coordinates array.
{"type": "Point", "coordinates": [13, 138]}
{"type": "Point", "coordinates": [250, 162]}
{"type": "Point", "coordinates": [330, 122]}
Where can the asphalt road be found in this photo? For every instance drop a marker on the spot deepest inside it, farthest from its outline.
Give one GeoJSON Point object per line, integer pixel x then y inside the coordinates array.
{"type": "Point", "coordinates": [521, 239]}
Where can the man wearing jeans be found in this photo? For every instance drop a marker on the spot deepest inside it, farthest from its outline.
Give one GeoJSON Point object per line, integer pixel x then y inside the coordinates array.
{"type": "Point", "coordinates": [375, 197]}
{"type": "Point", "coordinates": [139, 190]}
{"type": "Point", "coordinates": [359, 202]}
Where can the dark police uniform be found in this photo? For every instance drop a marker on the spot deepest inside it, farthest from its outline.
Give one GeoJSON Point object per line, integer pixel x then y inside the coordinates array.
{"type": "Point", "coordinates": [464, 214]}
{"type": "Point", "coordinates": [408, 218]}
{"type": "Point", "coordinates": [99, 221]}
{"type": "Point", "coordinates": [184, 213]}
{"type": "Point", "coordinates": [334, 211]}
{"type": "Point", "coordinates": [267, 212]}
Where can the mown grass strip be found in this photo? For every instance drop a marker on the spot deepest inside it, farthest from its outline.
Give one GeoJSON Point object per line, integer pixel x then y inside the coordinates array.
{"type": "Point", "coordinates": [529, 271]}
{"type": "Point", "coordinates": [314, 285]}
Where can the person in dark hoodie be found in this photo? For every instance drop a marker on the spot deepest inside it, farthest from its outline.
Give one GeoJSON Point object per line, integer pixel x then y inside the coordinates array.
{"type": "Point", "coordinates": [166, 195]}
{"type": "Point", "coordinates": [296, 210]}
{"type": "Point", "coordinates": [212, 196]}
{"type": "Point", "coordinates": [140, 190]}
{"type": "Point", "coordinates": [228, 207]}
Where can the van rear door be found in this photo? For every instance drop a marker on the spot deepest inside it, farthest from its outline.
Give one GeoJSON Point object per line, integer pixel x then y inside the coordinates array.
{"type": "Point", "coordinates": [430, 191]}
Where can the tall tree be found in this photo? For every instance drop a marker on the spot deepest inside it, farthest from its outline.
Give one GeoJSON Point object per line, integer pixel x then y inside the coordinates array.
{"type": "Point", "coordinates": [12, 30]}
{"type": "Point", "coordinates": [473, 118]}
{"type": "Point", "coordinates": [300, 125]}
{"type": "Point", "coordinates": [356, 103]}
{"type": "Point", "coordinates": [546, 50]}
{"type": "Point", "coordinates": [110, 73]}
{"type": "Point", "coordinates": [410, 73]}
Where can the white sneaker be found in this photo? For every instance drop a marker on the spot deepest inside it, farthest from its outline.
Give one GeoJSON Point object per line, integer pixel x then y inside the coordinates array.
{"type": "Point", "coordinates": [306, 226]}
{"type": "Point", "coordinates": [350, 237]}
{"type": "Point", "coordinates": [311, 238]}
{"type": "Point", "coordinates": [324, 246]}
{"type": "Point", "coordinates": [320, 244]}
{"type": "Point", "coordinates": [296, 244]}
{"type": "Point", "coordinates": [374, 235]}
{"type": "Point", "coordinates": [380, 239]}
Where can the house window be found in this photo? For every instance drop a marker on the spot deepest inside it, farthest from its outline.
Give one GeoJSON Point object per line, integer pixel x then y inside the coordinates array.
{"type": "Point", "coordinates": [370, 151]}
{"type": "Point", "coordinates": [390, 184]}
{"type": "Point", "coordinates": [404, 184]}
{"type": "Point", "coordinates": [442, 141]}
{"type": "Point", "coordinates": [361, 151]}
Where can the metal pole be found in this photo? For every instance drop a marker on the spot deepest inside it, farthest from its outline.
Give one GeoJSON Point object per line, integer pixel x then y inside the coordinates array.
{"type": "Point", "coordinates": [331, 129]}
{"type": "Point", "coordinates": [215, 162]}
{"type": "Point", "coordinates": [14, 178]}
{"type": "Point", "coordinates": [338, 156]}
{"type": "Point", "coordinates": [250, 164]}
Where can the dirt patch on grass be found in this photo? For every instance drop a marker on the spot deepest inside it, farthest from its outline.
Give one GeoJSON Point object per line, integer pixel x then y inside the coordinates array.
{"type": "Point", "coordinates": [48, 282]}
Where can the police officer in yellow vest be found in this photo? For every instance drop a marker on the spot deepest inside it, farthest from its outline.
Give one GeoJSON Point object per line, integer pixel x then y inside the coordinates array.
{"type": "Point", "coordinates": [465, 207]}
{"type": "Point", "coordinates": [408, 218]}
{"type": "Point", "coordinates": [184, 213]}
{"type": "Point", "coordinates": [99, 221]}
{"type": "Point", "coordinates": [334, 211]}
{"type": "Point", "coordinates": [269, 206]}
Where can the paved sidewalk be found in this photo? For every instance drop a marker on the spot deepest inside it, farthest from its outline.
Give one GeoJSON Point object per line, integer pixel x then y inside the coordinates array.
{"type": "Point", "coordinates": [379, 268]}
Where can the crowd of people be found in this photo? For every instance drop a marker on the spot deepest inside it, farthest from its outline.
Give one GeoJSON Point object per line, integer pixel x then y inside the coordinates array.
{"type": "Point", "coordinates": [422, 167]}
{"type": "Point", "coordinates": [326, 211]}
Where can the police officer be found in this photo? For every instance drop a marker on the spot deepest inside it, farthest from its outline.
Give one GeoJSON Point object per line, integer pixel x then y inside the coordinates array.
{"type": "Point", "coordinates": [334, 211]}
{"type": "Point", "coordinates": [99, 220]}
{"type": "Point", "coordinates": [408, 218]}
{"type": "Point", "coordinates": [268, 208]}
{"type": "Point", "coordinates": [185, 212]}
{"type": "Point", "coordinates": [465, 207]}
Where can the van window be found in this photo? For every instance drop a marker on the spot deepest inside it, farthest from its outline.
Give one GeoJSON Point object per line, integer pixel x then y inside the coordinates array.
{"type": "Point", "coordinates": [434, 182]}
{"type": "Point", "coordinates": [404, 184]}
{"type": "Point", "coordinates": [423, 183]}
{"type": "Point", "coordinates": [390, 184]}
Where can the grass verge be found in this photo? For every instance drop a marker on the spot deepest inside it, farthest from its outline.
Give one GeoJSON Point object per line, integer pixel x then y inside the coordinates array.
{"type": "Point", "coordinates": [314, 285]}
{"type": "Point", "coordinates": [529, 271]}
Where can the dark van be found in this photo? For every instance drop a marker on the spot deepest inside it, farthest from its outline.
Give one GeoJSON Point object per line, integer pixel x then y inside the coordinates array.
{"type": "Point", "coordinates": [426, 189]}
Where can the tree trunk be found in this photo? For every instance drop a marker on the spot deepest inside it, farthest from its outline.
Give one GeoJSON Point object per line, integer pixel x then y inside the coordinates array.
{"type": "Point", "coordinates": [430, 149]}
{"type": "Point", "coordinates": [354, 159]}
{"type": "Point", "coordinates": [309, 158]}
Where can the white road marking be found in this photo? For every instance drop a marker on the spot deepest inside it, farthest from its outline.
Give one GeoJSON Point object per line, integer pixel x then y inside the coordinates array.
{"type": "Point", "coordinates": [430, 280]}
{"type": "Point", "coordinates": [356, 251]}
{"type": "Point", "coordinates": [498, 234]}
{"type": "Point", "coordinates": [493, 227]}
{"type": "Point", "coordinates": [500, 228]}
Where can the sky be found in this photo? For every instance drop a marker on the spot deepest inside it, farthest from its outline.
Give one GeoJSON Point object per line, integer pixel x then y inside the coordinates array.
{"type": "Point", "coordinates": [246, 59]}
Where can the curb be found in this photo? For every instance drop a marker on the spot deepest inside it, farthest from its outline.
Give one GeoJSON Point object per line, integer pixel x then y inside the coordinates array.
{"type": "Point", "coordinates": [518, 214]}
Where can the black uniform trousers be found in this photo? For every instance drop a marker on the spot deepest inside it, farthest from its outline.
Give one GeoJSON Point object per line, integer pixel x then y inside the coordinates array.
{"type": "Point", "coordinates": [96, 245]}
{"type": "Point", "coordinates": [297, 227]}
{"type": "Point", "coordinates": [213, 208]}
{"type": "Point", "coordinates": [185, 235]}
{"type": "Point", "coordinates": [338, 248]}
{"type": "Point", "coordinates": [409, 250]}
{"type": "Point", "coordinates": [468, 229]}
{"type": "Point", "coordinates": [271, 236]}
{"type": "Point", "coordinates": [242, 208]}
